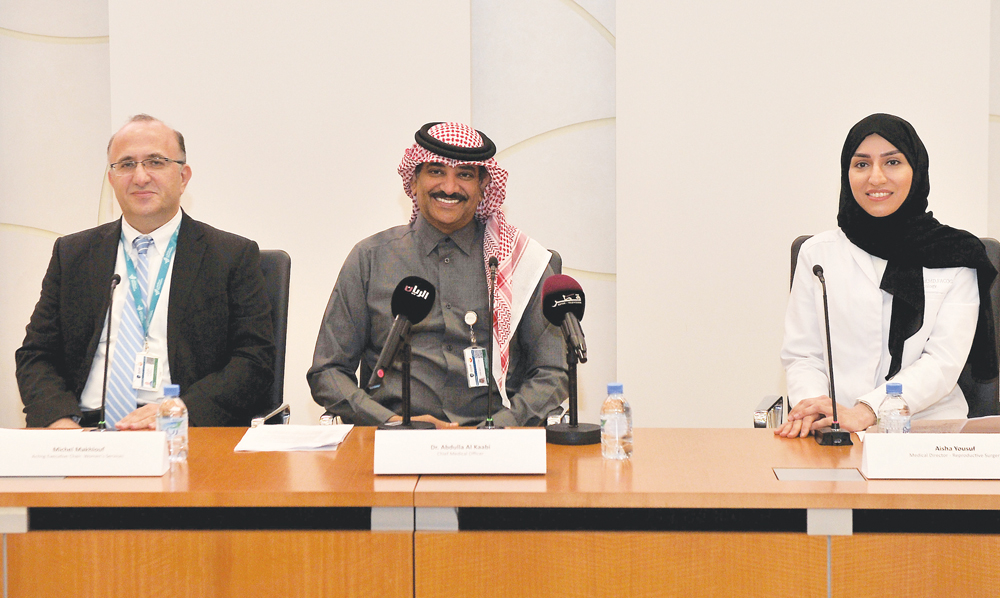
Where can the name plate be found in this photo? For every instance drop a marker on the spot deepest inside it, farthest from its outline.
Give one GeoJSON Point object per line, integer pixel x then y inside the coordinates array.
{"type": "Point", "coordinates": [62, 453]}
{"type": "Point", "coordinates": [460, 451]}
{"type": "Point", "coordinates": [931, 456]}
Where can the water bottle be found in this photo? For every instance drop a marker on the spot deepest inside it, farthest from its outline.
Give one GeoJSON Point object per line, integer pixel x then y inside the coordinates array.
{"type": "Point", "coordinates": [616, 424]}
{"type": "Point", "coordinates": [172, 418]}
{"type": "Point", "coordinates": [894, 413]}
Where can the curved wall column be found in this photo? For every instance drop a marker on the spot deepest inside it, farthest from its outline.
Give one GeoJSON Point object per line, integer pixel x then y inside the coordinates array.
{"type": "Point", "coordinates": [543, 88]}
{"type": "Point", "coordinates": [54, 118]}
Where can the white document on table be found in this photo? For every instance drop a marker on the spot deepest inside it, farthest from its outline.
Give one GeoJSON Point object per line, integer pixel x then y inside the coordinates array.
{"type": "Point", "coordinates": [293, 438]}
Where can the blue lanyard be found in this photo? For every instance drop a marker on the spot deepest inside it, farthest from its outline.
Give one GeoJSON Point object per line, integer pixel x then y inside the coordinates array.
{"type": "Point", "coordinates": [133, 282]}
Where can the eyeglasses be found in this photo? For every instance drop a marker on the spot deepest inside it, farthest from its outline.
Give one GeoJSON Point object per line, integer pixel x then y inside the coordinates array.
{"type": "Point", "coordinates": [126, 167]}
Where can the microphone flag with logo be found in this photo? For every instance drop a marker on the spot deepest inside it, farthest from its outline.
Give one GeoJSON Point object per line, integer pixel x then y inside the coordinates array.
{"type": "Point", "coordinates": [411, 302]}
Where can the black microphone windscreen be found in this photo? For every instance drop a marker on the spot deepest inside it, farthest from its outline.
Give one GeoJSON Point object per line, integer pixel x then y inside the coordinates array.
{"type": "Point", "coordinates": [818, 270]}
{"type": "Point", "coordinates": [413, 298]}
{"type": "Point", "coordinates": [562, 295]}
{"type": "Point", "coordinates": [494, 262]}
{"type": "Point", "coordinates": [116, 279]}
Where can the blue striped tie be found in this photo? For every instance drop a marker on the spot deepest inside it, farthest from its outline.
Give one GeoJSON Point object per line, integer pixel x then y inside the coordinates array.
{"type": "Point", "coordinates": [130, 342]}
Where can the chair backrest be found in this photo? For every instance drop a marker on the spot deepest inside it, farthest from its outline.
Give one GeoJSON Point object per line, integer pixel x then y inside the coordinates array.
{"type": "Point", "coordinates": [983, 397]}
{"type": "Point", "coordinates": [277, 268]}
{"type": "Point", "coordinates": [555, 261]}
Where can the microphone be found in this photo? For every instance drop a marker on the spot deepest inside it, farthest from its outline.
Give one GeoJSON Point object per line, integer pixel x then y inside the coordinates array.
{"type": "Point", "coordinates": [488, 424]}
{"type": "Point", "coordinates": [833, 435]}
{"type": "Point", "coordinates": [102, 425]}
{"type": "Point", "coordinates": [563, 302]}
{"type": "Point", "coordinates": [411, 302]}
{"type": "Point", "coordinates": [562, 305]}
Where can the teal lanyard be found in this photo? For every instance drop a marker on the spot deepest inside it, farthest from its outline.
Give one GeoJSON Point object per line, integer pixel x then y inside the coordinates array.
{"type": "Point", "coordinates": [133, 282]}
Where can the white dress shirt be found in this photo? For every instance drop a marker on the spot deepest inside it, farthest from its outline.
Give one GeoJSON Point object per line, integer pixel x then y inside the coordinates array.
{"type": "Point", "coordinates": [157, 338]}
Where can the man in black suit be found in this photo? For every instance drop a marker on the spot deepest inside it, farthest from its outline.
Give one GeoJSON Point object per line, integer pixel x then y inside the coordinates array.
{"type": "Point", "coordinates": [212, 336]}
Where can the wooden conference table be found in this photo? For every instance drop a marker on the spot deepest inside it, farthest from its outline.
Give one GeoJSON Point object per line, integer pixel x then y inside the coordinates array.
{"type": "Point", "coordinates": [694, 513]}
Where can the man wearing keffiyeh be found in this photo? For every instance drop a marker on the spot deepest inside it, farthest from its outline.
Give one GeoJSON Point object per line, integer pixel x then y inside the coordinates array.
{"type": "Point", "coordinates": [456, 226]}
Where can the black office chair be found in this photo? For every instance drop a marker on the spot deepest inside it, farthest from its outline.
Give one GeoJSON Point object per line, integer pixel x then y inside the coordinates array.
{"type": "Point", "coordinates": [277, 268]}
{"type": "Point", "coordinates": [555, 261]}
{"type": "Point", "coordinates": [982, 397]}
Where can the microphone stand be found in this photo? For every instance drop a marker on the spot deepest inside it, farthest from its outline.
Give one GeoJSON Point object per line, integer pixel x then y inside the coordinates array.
{"type": "Point", "coordinates": [103, 425]}
{"type": "Point", "coordinates": [407, 423]}
{"type": "Point", "coordinates": [574, 433]}
{"type": "Point", "coordinates": [832, 435]}
{"type": "Point", "coordinates": [488, 424]}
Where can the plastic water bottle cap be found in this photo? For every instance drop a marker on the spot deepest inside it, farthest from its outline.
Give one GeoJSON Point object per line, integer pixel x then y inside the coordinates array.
{"type": "Point", "coordinates": [172, 390]}
{"type": "Point", "coordinates": [615, 388]}
{"type": "Point", "coordinates": [894, 388]}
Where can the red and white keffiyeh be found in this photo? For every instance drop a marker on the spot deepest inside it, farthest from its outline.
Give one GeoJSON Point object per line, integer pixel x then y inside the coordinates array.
{"type": "Point", "coordinates": [521, 260]}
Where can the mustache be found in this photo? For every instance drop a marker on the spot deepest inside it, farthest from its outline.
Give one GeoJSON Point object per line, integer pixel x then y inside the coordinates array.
{"type": "Point", "coordinates": [443, 195]}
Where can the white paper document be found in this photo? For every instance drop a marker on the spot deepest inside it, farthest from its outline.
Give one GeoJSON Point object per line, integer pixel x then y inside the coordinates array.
{"type": "Point", "coordinates": [293, 438]}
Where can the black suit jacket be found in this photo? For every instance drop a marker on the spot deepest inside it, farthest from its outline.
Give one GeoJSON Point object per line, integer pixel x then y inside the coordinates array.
{"type": "Point", "coordinates": [219, 338]}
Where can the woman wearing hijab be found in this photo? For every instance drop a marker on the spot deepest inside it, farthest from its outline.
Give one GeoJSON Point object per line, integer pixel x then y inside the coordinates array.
{"type": "Point", "coordinates": [908, 296]}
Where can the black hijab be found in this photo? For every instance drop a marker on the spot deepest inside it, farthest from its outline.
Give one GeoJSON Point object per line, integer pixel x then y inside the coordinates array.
{"type": "Point", "coordinates": [910, 239]}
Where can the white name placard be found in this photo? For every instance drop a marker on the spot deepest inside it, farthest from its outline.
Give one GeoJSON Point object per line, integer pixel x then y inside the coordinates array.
{"type": "Point", "coordinates": [931, 456]}
{"type": "Point", "coordinates": [58, 453]}
{"type": "Point", "coordinates": [460, 451]}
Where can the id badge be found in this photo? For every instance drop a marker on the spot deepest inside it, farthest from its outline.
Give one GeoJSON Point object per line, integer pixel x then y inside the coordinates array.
{"type": "Point", "coordinates": [475, 367]}
{"type": "Point", "coordinates": [147, 372]}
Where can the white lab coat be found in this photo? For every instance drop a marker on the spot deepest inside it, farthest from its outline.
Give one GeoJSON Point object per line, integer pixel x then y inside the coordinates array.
{"type": "Point", "coordinates": [932, 359]}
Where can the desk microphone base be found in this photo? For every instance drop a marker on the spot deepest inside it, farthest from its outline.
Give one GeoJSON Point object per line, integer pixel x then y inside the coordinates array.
{"type": "Point", "coordinates": [413, 425]}
{"type": "Point", "coordinates": [831, 437]}
{"type": "Point", "coordinates": [578, 435]}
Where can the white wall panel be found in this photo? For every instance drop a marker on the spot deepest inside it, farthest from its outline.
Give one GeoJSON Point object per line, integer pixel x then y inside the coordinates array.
{"type": "Point", "coordinates": [564, 190]}
{"type": "Point", "coordinates": [602, 343]}
{"type": "Point", "coordinates": [993, 228]}
{"type": "Point", "coordinates": [731, 117]}
{"type": "Point", "coordinates": [53, 130]}
{"type": "Point", "coordinates": [602, 10]}
{"type": "Point", "coordinates": [54, 108]}
{"type": "Point", "coordinates": [538, 66]}
{"type": "Point", "coordinates": [993, 220]}
{"type": "Point", "coordinates": [24, 254]}
{"type": "Point", "coordinates": [57, 18]}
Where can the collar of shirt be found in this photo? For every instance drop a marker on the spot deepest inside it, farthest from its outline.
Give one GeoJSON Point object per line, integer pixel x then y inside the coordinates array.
{"type": "Point", "coordinates": [879, 264]}
{"type": "Point", "coordinates": [428, 237]}
{"type": "Point", "coordinates": [161, 236]}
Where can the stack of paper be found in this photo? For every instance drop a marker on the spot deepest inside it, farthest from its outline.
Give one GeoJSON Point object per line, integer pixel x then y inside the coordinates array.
{"type": "Point", "coordinates": [293, 438]}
